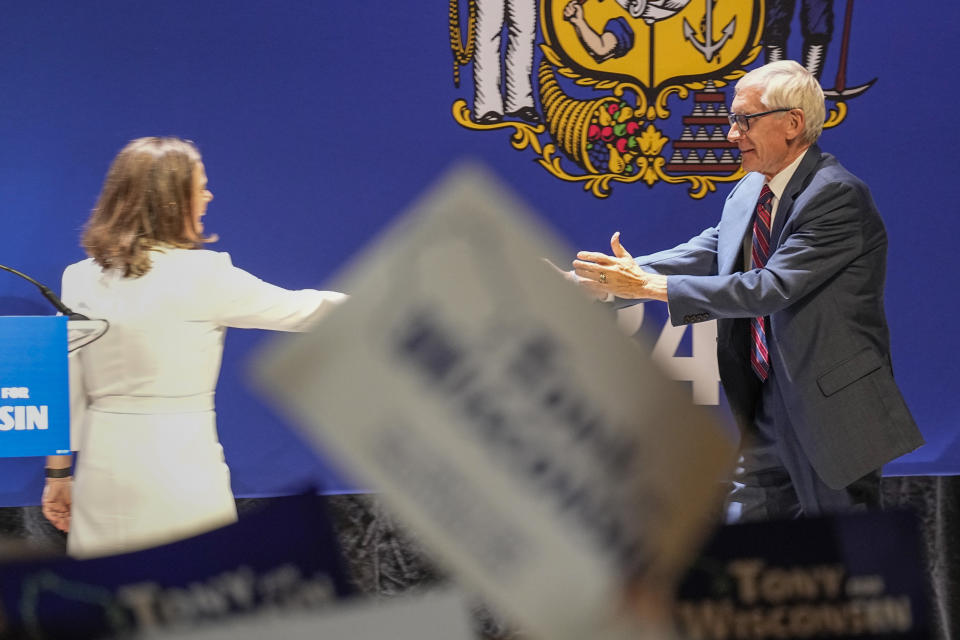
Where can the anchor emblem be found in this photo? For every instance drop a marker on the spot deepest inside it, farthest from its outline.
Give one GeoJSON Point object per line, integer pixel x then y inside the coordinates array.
{"type": "Point", "coordinates": [707, 46]}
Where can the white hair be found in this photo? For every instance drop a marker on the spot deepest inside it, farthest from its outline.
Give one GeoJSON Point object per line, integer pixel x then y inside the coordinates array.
{"type": "Point", "coordinates": [787, 85]}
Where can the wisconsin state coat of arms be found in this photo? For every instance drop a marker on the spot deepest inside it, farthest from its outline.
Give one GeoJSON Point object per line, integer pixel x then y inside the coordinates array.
{"type": "Point", "coordinates": [607, 91]}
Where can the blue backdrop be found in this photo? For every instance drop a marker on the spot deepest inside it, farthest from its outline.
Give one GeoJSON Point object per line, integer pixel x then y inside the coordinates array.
{"type": "Point", "coordinates": [320, 121]}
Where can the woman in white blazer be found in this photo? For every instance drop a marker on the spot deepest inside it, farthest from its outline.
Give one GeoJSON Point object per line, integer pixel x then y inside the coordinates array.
{"type": "Point", "coordinates": [151, 469]}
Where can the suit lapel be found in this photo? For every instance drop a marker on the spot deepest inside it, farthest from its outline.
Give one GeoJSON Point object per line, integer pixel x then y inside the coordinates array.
{"type": "Point", "coordinates": [797, 182]}
{"type": "Point", "coordinates": [738, 212]}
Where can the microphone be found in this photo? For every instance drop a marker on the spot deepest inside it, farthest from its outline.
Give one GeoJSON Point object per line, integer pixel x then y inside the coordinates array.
{"type": "Point", "coordinates": [49, 295]}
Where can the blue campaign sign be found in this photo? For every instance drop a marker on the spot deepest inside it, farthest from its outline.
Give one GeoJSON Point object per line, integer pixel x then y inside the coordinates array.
{"type": "Point", "coordinates": [856, 575]}
{"type": "Point", "coordinates": [34, 392]}
{"type": "Point", "coordinates": [282, 557]}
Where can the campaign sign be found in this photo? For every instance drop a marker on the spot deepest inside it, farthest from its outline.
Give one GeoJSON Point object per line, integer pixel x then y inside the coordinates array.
{"type": "Point", "coordinates": [284, 557]}
{"type": "Point", "coordinates": [504, 416]}
{"type": "Point", "coordinates": [850, 576]}
{"type": "Point", "coordinates": [34, 395]}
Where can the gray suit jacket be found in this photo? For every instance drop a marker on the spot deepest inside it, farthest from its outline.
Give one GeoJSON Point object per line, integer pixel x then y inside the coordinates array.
{"type": "Point", "coordinates": [822, 289]}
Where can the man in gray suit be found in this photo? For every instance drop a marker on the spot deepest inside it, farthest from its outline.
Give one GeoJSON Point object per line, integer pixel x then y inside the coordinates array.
{"type": "Point", "coordinates": [794, 274]}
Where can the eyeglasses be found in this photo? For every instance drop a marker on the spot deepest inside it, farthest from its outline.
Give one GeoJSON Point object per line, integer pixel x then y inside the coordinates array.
{"type": "Point", "coordinates": [743, 121]}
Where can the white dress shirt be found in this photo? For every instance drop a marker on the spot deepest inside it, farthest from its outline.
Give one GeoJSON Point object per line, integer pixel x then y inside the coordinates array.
{"type": "Point", "coordinates": [777, 184]}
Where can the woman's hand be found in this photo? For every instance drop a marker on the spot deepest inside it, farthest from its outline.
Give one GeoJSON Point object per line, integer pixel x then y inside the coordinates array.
{"type": "Point", "coordinates": [570, 276]}
{"type": "Point", "coordinates": [57, 501]}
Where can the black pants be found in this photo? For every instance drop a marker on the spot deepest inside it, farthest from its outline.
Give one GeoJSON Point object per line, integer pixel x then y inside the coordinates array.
{"type": "Point", "coordinates": [774, 479]}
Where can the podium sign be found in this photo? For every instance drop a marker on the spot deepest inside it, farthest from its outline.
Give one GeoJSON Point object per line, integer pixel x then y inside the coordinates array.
{"type": "Point", "coordinates": [34, 387]}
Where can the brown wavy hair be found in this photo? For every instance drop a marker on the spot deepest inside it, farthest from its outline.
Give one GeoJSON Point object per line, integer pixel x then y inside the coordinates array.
{"type": "Point", "coordinates": [145, 203]}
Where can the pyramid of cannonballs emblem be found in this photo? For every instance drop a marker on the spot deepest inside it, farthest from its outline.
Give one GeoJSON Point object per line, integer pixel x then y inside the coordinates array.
{"type": "Point", "coordinates": [703, 145]}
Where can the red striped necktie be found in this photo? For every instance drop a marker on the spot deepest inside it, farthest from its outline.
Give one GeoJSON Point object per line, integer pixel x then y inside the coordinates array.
{"type": "Point", "coordinates": [759, 356]}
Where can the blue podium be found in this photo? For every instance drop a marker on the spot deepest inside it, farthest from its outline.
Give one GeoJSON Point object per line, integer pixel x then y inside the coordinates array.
{"type": "Point", "coordinates": [34, 386]}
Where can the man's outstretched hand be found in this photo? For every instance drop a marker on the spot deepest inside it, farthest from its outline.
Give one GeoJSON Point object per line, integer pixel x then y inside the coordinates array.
{"type": "Point", "coordinates": [618, 274]}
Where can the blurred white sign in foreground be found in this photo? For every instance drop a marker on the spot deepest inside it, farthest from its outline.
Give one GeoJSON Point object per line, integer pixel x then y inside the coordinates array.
{"type": "Point", "coordinates": [433, 616]}
{"type": "Point", "coordinates": [527, 442]}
